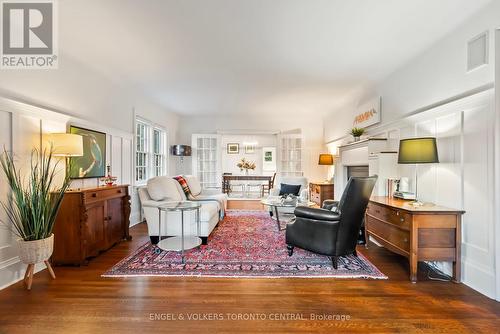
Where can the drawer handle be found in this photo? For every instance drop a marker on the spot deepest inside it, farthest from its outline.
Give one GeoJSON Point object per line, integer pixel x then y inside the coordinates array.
{"type": "Point", "coordinates": [402, 219]}
{"type": "Point", "coordinates": [377, 211]}
{"type": "Point", "coordinates": [397, 213]}
{"type": "Point", "coordinates": [405, 240]}
{"type": "Point", "coordinates": [119, 191]}
{"type": "Point", "coordinates": [94, 195]}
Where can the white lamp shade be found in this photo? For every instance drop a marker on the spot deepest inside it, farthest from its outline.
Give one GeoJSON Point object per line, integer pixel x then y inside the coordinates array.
{"type": "Point", "coordinates": [65, 144]}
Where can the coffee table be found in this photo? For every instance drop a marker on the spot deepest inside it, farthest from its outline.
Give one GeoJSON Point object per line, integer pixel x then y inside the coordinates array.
{"type": "Point", "coordinates": [276, 203]}
{"type": "Point", "coordinates": [182, 242]}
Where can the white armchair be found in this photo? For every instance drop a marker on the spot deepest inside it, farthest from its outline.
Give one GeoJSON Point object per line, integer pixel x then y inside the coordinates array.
{"type": "Point", "coordinates": [292, 180]}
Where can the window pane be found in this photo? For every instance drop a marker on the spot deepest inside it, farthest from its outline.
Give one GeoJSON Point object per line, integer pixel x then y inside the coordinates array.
{"type": "Point", "coordinates": [156, 141]}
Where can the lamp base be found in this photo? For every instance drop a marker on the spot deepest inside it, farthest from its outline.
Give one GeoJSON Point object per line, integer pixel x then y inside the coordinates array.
{"type": "Point", "coordinates": [417, 204]}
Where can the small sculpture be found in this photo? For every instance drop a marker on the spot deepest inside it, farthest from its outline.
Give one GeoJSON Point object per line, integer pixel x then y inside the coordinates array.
{"type": "Point", "coordinates": [109, 180]}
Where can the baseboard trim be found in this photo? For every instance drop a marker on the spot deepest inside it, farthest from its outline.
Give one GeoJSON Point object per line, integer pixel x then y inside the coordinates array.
{"type": "Point", "coordinates": [9, 262]}
{"type": "Point", "coordinates": [478, 278]}
{"type": "Point", "coordinates": [135, 219]}
{"type": "Point", "coordinates": [14, 272]}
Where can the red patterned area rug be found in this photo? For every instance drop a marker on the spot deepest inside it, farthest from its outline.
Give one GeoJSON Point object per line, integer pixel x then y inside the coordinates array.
{"type": "Point", "coordinates": [244, 244]}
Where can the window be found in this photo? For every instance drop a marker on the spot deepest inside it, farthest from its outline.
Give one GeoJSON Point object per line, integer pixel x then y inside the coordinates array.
{"type": "Point", "coordinates": [151, 151]}
{"type": "Point", "coordinates": [158, 152]}
{"type": "Point", "coordinates": [141, 163]}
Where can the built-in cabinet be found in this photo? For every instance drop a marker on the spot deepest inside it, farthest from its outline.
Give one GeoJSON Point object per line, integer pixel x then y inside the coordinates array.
{"type": "Point", "coordinates": [291, 155]}
{"type": "Point", "coordinates": [207, 159]}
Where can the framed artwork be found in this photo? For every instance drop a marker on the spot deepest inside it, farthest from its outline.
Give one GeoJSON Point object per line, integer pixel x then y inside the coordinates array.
{"type": "Point", "coordinates": [368, 113]}
{"type": "Point", "coordinates": [250, 149]}
{"type": "Point", "coordinates": [93, 162]}
{"type": "Point", "coordinates": [233, 148]}
{"type": "Point", "coordinates": [269, 159]}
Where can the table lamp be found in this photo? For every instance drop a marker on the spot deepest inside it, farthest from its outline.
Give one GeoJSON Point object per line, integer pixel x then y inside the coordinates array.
{"type": "Point", "coordinates": [418, 151]}
{"type": "Point", "coordinates": [66, 145]}
{"type": "Point", "coordinates": [325, 159]}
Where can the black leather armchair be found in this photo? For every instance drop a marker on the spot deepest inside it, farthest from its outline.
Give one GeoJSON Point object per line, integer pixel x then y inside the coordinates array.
{"type": "Point", "coordinates": [333, 229]}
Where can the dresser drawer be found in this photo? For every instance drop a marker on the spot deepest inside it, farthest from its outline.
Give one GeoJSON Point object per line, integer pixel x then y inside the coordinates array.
{"type": "Point", "coordinates": [103, 194]}
{"type": "Point", "coordinates": [391, 234]}
{"type": "Point", "coordinates": [393, 216]}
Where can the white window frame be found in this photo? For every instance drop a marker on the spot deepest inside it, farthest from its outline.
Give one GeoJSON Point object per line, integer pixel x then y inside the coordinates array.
{"type": "Point", "coordinates": [161, 155]}
{"type": "Point", "coordinates": [149, 150]}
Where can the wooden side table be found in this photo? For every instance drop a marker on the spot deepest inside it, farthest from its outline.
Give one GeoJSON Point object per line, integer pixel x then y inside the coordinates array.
{"type": "Point", "coordinates": [320, 191]}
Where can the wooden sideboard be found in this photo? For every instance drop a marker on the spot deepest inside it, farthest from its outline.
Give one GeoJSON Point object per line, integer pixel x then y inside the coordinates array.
{"type": "Point", "coordinates": [425, 233]}
{"type": "Point", "coordinates": [90, 221]}
{"type": "Point", "coordinates": [319, 191]}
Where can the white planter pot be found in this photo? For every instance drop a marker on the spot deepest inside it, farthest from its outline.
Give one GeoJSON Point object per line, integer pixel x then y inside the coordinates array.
{"type": "Point", "coordinates": [31, 252]}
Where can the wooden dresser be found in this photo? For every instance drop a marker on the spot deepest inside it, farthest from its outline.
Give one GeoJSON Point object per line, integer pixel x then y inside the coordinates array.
{"type": "Point", "coordinates": [320, 191]}
{"type": "Point", "coordinates": [426, 233]}
{"type": "Point", "coordinates": [89, 222]}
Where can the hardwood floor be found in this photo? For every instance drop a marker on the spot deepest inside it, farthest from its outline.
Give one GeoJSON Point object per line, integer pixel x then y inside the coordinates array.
{"type": "Point", "coordinates": [80, 301]}
{"type": "Point", "coordinates": [241, 204]}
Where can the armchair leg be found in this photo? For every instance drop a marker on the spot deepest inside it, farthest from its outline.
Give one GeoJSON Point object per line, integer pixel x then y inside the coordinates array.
{"type": "Point", "coordinates": [290, 250]}
{"type": "Point", "coordinates": [335, 262]}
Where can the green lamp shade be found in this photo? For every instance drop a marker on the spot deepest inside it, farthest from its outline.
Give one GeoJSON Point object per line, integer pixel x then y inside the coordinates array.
{"type": "Point", "coordinates": [418, 151]}
{"type": "Point", "coordinates": [325, 159]}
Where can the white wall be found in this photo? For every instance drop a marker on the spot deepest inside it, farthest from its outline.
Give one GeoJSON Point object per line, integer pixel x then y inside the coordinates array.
{"type": "Point", "coordinates": [463, 179]}
{"type": "Point", "coordinates": [229, 161]}
{"type": "Point", "coordinates": [311, 127]}
{"type": "Point", "coordinates": [497, 162]}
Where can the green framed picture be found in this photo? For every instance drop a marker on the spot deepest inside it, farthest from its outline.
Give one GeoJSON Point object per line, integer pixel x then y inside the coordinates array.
{"type": "Point", "coordinates": [93, 162]}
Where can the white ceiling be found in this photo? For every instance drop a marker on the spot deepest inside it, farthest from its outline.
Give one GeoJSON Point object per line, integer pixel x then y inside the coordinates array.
{"type": "Point", "coordinates": [229, 57]}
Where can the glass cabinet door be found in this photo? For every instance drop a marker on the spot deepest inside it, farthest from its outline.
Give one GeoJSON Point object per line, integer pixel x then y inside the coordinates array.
{"type": "Point", "coordinates": [206, 160]}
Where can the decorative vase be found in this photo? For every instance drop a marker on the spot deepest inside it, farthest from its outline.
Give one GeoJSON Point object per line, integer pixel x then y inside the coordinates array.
{"type": "Point", "coordinates": [357, 138]}
{"type": "Point", "coordinates": [33, 252]}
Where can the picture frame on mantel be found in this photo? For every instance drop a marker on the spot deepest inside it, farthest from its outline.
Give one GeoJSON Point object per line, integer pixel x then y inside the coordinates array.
{"type": "Point", "coordinates": [368, 113]}
{"type": "Point", "coordinates": [93, 162]}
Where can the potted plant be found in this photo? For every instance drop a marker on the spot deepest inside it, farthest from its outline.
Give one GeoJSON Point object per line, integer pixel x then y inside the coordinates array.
{"type": "Point", "coordinates": [33, 207]}
{"type": "Point", "coordinates": [357, 133]}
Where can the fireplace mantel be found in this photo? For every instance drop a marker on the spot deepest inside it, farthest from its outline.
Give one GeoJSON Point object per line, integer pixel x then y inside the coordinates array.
{"type": "Point", "coordinates": [378, 154]}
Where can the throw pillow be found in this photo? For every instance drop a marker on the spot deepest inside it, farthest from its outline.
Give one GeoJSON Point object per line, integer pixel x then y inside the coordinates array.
{"type": "Point", "coordinates": [287, 189]}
